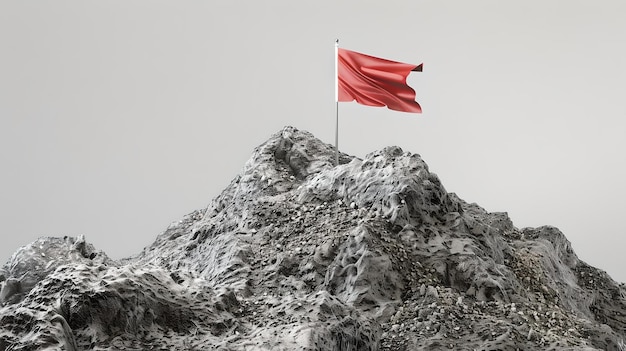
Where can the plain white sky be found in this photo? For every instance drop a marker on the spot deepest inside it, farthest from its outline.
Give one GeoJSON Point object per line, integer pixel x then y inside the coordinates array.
{"type": "Point", "coordinates": [119, 117]}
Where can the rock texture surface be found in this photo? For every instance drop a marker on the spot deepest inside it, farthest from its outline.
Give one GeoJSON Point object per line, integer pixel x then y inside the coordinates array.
{"type": "Point", "coordinates": [300, 254]}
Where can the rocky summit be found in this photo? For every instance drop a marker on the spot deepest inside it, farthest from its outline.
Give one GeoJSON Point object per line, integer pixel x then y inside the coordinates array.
{"type": "Point", "coordinates": [298, 253]}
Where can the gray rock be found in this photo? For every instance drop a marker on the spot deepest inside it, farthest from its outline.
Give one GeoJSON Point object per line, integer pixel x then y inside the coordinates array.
{"type": "Point", "coordinates": [298, 253]}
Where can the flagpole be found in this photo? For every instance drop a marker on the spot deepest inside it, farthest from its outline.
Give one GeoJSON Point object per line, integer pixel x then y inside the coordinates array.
{"type": "Point", "coordinates": [336, 103]}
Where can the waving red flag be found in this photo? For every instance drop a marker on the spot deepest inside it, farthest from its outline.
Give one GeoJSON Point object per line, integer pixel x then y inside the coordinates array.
{"type": "Point", "coordinates": [374, 81]}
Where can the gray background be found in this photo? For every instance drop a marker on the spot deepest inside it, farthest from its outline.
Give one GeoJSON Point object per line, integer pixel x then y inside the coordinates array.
{"type": "Point", "coordinates": [119, 117]}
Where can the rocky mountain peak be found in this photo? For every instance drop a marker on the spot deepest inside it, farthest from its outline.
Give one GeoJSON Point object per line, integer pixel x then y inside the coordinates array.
{"type": "Point", "coordinates": [298, 253]}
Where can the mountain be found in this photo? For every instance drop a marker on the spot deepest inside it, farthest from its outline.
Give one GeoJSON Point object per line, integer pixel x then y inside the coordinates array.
{"type": "Point", "coordinates": [298, 253]}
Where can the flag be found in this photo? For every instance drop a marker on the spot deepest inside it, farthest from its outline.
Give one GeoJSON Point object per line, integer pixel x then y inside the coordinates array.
{"type": "Point", "coordinates": [374, 81]}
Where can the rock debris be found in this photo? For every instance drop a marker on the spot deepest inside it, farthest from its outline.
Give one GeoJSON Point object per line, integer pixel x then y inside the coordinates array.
{"type": "Point", "coordinates": [298, 253]}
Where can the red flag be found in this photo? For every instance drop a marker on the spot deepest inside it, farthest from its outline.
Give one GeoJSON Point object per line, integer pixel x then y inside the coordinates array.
{"type": "Point", "coordinates": [374, 81]}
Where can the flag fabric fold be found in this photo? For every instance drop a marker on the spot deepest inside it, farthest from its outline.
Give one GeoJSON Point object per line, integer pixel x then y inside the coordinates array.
{"type": "Point", "coordinates": [374, 81]}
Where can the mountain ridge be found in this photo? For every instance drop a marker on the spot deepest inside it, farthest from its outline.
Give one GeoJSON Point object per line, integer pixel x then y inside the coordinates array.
{"type": "Point", "coordinates": [298, 253]}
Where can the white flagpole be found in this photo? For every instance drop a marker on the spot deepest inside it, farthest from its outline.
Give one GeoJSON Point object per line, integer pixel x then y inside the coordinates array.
{"type": "Point", "coordinates": [336, 102]}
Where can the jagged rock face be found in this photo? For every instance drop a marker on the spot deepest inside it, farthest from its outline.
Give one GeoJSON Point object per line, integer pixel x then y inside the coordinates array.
{"type": "Point", "coordinates": [300, 254]}
{"type": "Point", "coordinates": [34, 262]}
